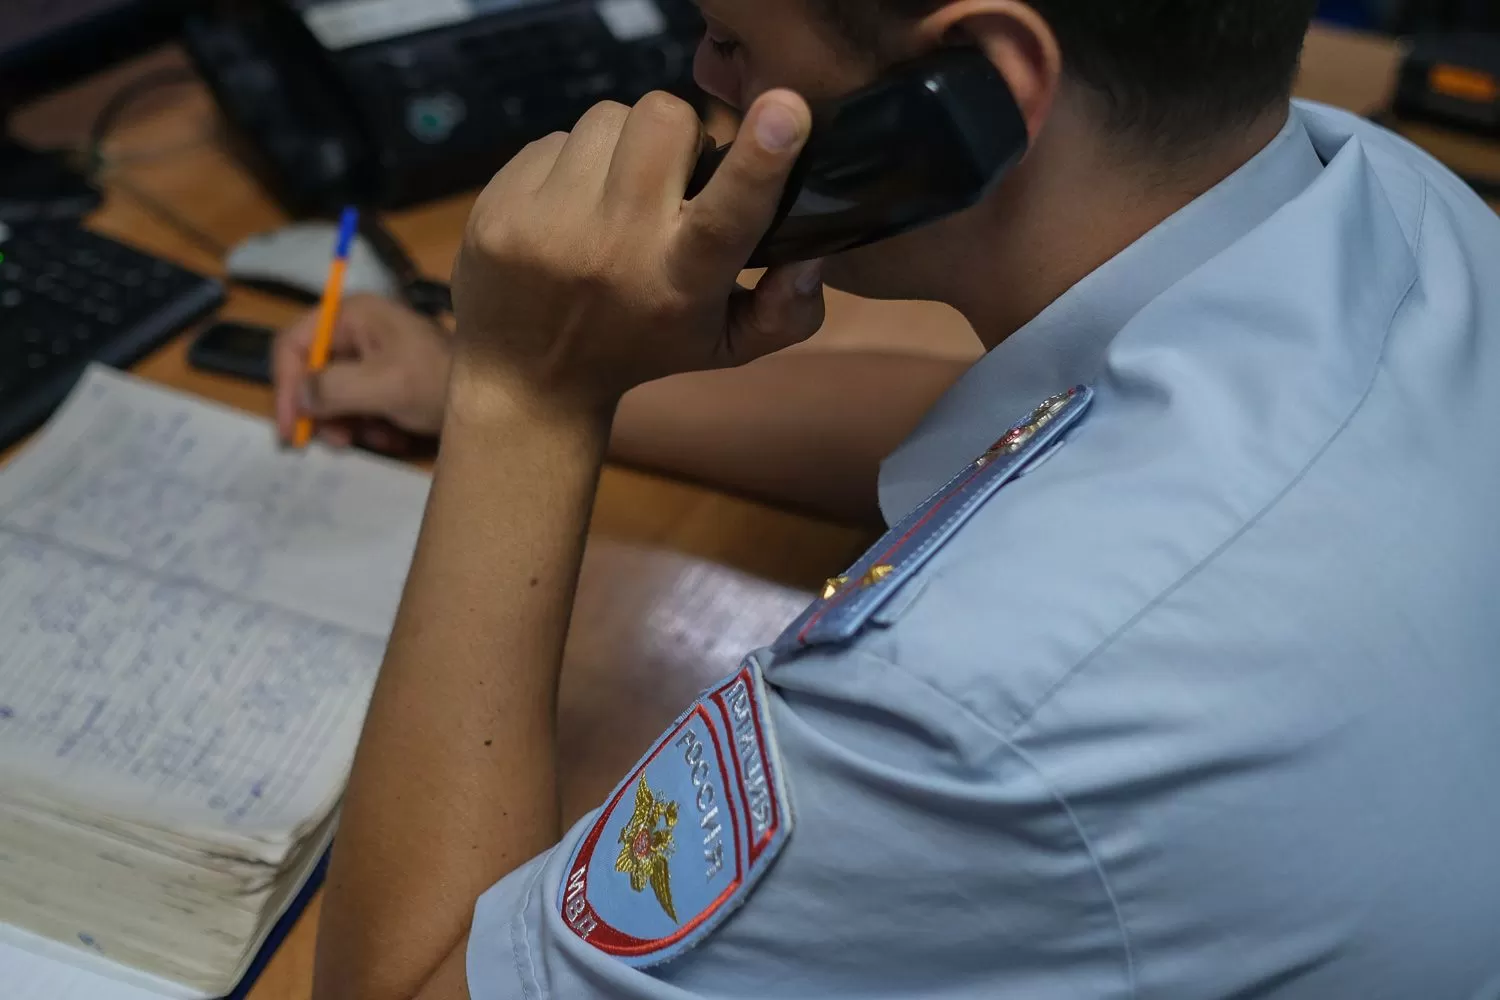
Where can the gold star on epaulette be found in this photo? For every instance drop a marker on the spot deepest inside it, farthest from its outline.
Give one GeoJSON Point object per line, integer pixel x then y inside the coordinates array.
{"type": "Point", "coordinates": [875, 575]}
{"type": "Point", "coordinates": [1025, 432]}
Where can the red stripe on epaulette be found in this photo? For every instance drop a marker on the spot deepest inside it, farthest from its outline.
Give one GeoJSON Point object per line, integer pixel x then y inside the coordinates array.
{"type": "Point", "coordinates": [1040, 418]}
{"type": "Point", "coordinates": [887, 555]}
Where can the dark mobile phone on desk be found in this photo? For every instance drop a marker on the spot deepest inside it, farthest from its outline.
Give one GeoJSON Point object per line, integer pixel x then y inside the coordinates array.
{"type": "Point", "coordinates": [235, 349]}
{"type": "Point", "coordinates": [927, 140]}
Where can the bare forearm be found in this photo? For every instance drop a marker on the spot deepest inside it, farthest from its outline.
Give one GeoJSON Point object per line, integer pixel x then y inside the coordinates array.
{"type": "Point", "coordinates": [584, 274]}
{"type": "Point", "coordinates": [454, 785]}
{"type": "Point", "coordinates": [807, 429]}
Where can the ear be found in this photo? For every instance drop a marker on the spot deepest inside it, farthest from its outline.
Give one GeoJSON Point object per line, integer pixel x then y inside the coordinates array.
{"type": "Point", "coordinates": [1018, 40]}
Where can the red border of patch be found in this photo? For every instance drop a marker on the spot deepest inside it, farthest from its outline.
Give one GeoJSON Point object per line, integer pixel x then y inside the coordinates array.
{"type": "Point", "coordinates": [608, 939]}
{"type": "Point", "coordinates": [757, 847]}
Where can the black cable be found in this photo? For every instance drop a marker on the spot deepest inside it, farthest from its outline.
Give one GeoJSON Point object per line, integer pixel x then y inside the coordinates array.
{"type": "Point", "coordinates": [105, 122]}
{"type": "Point", "coordinates": [428, 297]}
{"type": "Point", "coordinates": [165, 214]}
{"type": "Point", "coordinates": [109, 115]}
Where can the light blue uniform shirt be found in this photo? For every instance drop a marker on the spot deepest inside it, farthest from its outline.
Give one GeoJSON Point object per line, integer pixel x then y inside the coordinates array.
{"type": "Point", "coordinates": [1207, 704]}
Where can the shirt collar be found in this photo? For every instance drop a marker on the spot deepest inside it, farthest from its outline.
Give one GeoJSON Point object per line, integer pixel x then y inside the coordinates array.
{"type": "Point", "coordinates": [1065, 345]}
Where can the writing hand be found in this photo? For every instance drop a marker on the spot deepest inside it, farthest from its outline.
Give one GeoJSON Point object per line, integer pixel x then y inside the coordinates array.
{"type": "Point", "coordinates": [388, 377]}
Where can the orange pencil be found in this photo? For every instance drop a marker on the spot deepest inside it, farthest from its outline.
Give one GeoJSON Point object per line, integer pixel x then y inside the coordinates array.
{"type": "Point", "coordinates": [328, 313]}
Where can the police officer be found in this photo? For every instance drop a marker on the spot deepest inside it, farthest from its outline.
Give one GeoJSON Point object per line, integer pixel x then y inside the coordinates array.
{"type": "Point", "coordinates": [1176, 676]}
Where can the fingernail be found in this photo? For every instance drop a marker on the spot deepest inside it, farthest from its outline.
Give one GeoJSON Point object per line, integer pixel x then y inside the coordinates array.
{"type": "Point", "coordinates": [809, 277]}
{"type": "Point", "coordinates": [778, 129]}
{"type": "Point", "coordinates": [305, 397]}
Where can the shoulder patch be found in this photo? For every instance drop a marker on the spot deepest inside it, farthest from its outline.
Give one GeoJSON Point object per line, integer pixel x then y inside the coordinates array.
{"type": "Point", "coordinates": [850, 601]}
{"type": "Point", "coordinates": [684, 839]}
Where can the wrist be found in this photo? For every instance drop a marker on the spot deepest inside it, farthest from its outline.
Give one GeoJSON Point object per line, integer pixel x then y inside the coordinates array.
{"type": "Point", "coordinates": [490, 398]}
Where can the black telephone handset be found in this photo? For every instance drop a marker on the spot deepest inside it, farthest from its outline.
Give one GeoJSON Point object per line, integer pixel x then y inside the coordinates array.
{"type": "Point", "coordinates": [928, 140]}
{"type": "Point", "coordinates": [294, 123]}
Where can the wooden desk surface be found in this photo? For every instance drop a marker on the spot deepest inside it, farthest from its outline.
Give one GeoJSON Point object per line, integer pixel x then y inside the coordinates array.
{"type": "Point", "coordinates": [171, 150]}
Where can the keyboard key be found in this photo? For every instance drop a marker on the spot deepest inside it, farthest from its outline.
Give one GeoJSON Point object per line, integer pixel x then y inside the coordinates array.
{"type": "Point", "coordinates": [68, 296]}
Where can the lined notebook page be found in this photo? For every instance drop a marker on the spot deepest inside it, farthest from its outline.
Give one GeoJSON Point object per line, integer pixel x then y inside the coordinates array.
{"type": "Point", "coordinates": [37, 969]}
{"type": "Point", "coordinates": [193, 491]}
{"type": "Point", "coordinates": [194, 618]}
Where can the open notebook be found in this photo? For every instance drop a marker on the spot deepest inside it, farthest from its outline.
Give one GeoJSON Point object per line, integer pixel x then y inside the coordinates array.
{"type": "Point", "coordinates": [191, 622]}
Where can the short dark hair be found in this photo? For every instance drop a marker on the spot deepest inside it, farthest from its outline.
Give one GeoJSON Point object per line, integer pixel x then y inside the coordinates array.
{"type": "Point", "coordinates": [1171, 73]}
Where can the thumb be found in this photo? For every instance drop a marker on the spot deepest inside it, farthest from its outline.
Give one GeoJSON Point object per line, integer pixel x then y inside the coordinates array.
{"type": "Point", "coordinates": [345, 389]}
{"type": "Point", "coordinates": [785, 309]}
{"type": "Point", "coordinates": [722, 226]}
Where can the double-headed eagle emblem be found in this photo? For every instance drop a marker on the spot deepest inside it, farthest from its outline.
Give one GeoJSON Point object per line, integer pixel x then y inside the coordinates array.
{"type": "Point", "coordinates": [647, 843]}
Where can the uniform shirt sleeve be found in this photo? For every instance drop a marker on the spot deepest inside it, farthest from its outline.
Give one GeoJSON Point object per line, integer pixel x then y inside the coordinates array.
{"type": "Point", "coordinates": [928, 858]}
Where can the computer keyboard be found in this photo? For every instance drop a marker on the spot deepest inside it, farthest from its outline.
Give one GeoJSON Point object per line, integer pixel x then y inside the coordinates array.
{"type": "Point", "coordinates": [69, 297]}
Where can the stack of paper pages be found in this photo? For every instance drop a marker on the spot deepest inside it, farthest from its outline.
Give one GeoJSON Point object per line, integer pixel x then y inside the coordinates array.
{"type": "Point", "coordinates": [191, 622]}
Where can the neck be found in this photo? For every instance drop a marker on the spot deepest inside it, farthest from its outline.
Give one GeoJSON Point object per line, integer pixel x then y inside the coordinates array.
{"type": "Point", "coordinates": [1071, 212]}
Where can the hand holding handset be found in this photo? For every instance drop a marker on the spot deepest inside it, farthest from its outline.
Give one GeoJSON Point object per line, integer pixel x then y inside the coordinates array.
{"type": "Point", "coordinates": [927, 140]}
